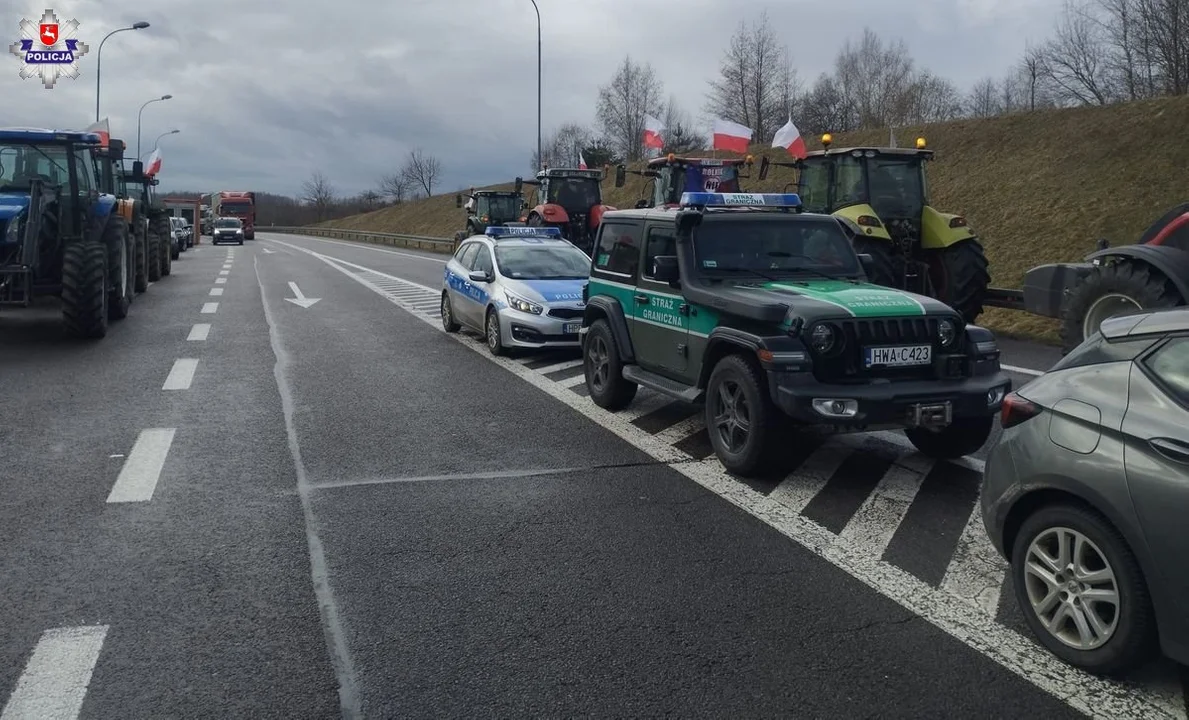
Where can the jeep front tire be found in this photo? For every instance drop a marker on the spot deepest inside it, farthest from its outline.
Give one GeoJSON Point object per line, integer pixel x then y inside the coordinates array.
{"type": "Point", "coordinates": [740, 417]}
{"type": "Point", "coordinates": [604, 369]}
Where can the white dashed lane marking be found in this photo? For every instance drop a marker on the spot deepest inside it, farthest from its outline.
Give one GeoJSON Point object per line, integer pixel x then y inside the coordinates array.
{"type": "Point", "coordinates": [209, 308]}
{"type": "Point", "coordinates": [54, 683]}
{"type": "Point", "coordinates": [181, 375]}
{"type": "Point", "coordinates": [199, 332]}
{"type": "Point", "coordinates": [142, 469]}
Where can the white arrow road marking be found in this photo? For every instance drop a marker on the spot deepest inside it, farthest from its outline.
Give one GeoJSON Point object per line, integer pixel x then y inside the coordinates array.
{"type": "Point", "coordinates": [301, 300]}
{"type": "Point", "coordinates": [267, 251]}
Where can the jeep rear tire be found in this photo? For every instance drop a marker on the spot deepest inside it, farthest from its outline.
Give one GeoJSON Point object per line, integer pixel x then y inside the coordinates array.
{"type": "Point", "coordinates": [741, 419]}
{"type": "Point", "coordinates": [84, 289]}
{"type": "Point", "coordinates": [604, 370]}
{"type": "Point", "coordinates": [963, 436]}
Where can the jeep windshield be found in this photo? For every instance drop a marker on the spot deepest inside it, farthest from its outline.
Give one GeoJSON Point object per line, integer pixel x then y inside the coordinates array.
{"type": "Point", "coordinates": [556, 262]}
{"type": "Point", "coordinates": [735, 244]}
{"type": "Point", "coordinates": [19, 164]}
{"type": "Point", "coordinates": [501, 208]}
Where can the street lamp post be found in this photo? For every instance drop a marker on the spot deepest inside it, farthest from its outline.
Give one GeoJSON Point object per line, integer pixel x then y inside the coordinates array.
{"type": "Point", "coordinates": [99, 57]}
{"type": "Point", "coordinates": [158, 140]}
{"type": "Point", "coordinates": [540, 157]}
{"type": "Point", "coordinates": [142, 107]}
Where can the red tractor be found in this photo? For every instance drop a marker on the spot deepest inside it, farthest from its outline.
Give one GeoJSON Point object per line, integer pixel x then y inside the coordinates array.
{"type": "Point", "coordinates": [673, 175]}
{"type": "Point", "coordinates": [569, 199]}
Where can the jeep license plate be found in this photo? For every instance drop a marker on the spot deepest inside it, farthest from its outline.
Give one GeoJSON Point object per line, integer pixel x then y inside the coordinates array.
{"type": "Point", "coordinates": [901, 356]}
{"type": "Point", "coordinates": [571, 328]}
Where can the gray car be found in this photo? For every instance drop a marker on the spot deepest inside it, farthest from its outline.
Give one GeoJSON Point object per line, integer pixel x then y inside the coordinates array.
{"type": "Point", "coordinates": [521, 287]}
{"type": "Point", "coordinates": [1086, 494]}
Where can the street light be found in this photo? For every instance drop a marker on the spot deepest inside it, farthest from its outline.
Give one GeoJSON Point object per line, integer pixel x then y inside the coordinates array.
{"type": "Point", "coordinates": [158, 141]}
{"type": "Point", "coordinates": [99, 57]}
{"type": "Point", "coordinates": [540, 158]}
{"type": "Point", "coordinates": [142, 107]}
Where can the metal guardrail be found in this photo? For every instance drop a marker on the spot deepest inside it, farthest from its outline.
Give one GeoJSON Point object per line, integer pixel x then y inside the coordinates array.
{"type": "Point", "coordinates": [1009, 299]}
{"type": "Point", "coordinates": [419, 242]}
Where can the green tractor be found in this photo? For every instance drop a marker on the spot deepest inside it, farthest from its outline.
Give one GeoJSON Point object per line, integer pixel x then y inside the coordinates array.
{"type": "Point", "coordinates": [881, 194]}
{"type": "Point", "coordinates": [673, 175]}
{"type": "Point", "coordinates": [491, 207]}
{"type": "Point", "coordinates": [143, 189]}
{"type": "Point", "coordinates": [147, 264]}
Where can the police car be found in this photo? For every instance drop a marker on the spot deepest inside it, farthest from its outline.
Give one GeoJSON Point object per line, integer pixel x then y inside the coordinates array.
{"type": "Point", "coordinates": [521, 287]}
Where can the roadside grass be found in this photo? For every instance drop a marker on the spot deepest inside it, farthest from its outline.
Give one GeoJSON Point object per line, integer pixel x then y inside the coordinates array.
{"type": "Point", "coordinates": [1037, 187]}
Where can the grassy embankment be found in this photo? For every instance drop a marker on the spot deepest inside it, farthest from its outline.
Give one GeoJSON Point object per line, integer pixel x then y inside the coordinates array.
{"type": "Point", "coordinates": [1038, 187]}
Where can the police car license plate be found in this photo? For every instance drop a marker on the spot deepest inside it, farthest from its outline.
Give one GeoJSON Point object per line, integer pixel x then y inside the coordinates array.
{"type": "Point", "coordinates": [571, 328]}
{"type": "Point", "coordinates": [901, 356]}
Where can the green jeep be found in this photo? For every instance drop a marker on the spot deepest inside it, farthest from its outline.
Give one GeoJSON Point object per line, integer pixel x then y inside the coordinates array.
{"type": "Point", "coordinates": [763, 313]}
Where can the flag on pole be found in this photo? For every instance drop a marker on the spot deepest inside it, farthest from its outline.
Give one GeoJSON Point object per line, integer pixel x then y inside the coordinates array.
{"type": "Point", "coordinates": [581, 161]}
{"type": "Point", "coordinates": [153, 166]}
{"type": "Point", "coordinates": [731, 136]}
{"type": "Point", "coordinates": [102, 129]}
{"type": "Point", "coordinates": [789, 138]}
{"type": "Point", "coordinates": [652, 132]}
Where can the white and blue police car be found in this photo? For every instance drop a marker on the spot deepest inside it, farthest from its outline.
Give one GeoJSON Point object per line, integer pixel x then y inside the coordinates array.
{"type": "Point", "coordinates": [521, 287]}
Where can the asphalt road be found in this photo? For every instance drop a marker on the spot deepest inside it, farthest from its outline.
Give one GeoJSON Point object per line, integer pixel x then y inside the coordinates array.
{"type": "Point", "coordinates": [290, 494]}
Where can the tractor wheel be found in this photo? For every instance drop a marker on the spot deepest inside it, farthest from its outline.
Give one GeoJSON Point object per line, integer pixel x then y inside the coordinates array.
{"type": "Point", "coordinates": [142, 259]}
{"type": "Point", "coordinates": [960, 277]}
{"type": "Point", "coordinates": [153, 246]}
{"type": "Point", "coordinates": [1120, 288]}
{"type": "Point", "coordinates": [84, 289]}
{"type": "Point", "coordinates": [883, 270]}
{"type": "Point", "coordinates": [121, 269]}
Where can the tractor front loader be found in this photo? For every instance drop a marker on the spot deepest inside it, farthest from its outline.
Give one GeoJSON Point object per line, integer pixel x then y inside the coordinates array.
{"type": "Point", "coordinates": [672, 175]}
{"type": "Point", "coordinates": [881, 194]}
{"type": "Point", "coordinates": [61, 235]}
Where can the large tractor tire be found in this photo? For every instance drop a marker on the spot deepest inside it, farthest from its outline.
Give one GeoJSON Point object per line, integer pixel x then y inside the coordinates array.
{"type": "Point", "coordinates": [1110, 290]}
{"type": "Point", "coordinates": [121, 268]}
{"type": "Point", "coordinates": [883, 265]}
{"type": "Point", "coordinates": [161, 225]}
{"type": "Point", "coordinates": [142, 257]}
{"type": "Point", "coordinates": [157, 268]}
{"type": "Point", "coordinates": [84, 289]}
{"type": "Point", "coordinates": [960, 277]}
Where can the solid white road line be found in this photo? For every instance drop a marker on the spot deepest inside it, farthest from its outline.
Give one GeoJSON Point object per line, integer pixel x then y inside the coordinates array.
{"type": "Point", "coordinates": [54, 683]}
{"type": "Point", "coordinates": [560, 366]}
{"type": "Point", "coordinates": [199, 332]}
{"type": "Point", "coordinates": [1091, 695]}
{"type": "Point", "coordinates": [442, 261]}
{"type": "Point", "coordinates": [798, 489]}
{"type": "Point", "coordinates": [181, 375]}
{"type": "Point", "coordinates": [216, 292]}
{"type": "Point", "coordinates": [209, 308]}
{"type": "Point", "coordinates": [1022, 370]}
{"type": "Point", "coordinates": [141, 471]}
{"type": "Point", "coordinates": [872, 527]}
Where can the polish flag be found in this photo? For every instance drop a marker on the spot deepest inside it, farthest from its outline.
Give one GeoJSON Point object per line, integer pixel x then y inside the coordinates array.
{"type": "Point", "coordinates": [581, 161]}
{"type": "Point", "coordinates": [652, 132]}
{"type": "Point", "coordinates": [103, 130]}
{"type": "Point", "coordinates": [731, 136]}
{"type": "Point", "coordinates": [154, 164]}
{"type": "Point", "coordinates": [789, 138]}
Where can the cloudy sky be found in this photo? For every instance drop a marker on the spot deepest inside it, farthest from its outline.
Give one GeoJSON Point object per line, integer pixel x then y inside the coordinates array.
{"type": "Point", "coordinates": [264, 96]}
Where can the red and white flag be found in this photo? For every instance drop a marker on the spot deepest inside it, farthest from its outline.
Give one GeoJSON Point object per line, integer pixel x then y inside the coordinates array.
{"type": "Point", "coordinates": [581, 161]}
{"type": "Point", "coordinates": [789, 138]}
{"type": "Point", "coordinates": [652, 132]}
{"type": "Point", "coordinates": [153, 166]}
{"type": "Point", "coordinates": [731, 136]}
{"type": "Point", "coordinates": [102, 129]}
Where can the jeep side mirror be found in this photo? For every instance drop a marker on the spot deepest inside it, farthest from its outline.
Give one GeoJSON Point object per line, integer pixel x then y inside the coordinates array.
{"type": "Point", "coordinates": [458, 200]}
{"type": "Point", "coordinates": [664, 268]}
{"type": "Point", "coordinates": [621, 175]}
{"type": "Point", "coordinates": [868, 263]}
{"type": "Point", "coordinates": [764, 164]}
{"type": "Point", "coordinates": [519, 185]}
{"type": "Point", "coordinates": [641, 203]}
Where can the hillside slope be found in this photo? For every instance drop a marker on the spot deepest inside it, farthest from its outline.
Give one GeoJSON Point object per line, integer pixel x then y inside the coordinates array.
{"type": "Point", "coordinates": [1038, 187]}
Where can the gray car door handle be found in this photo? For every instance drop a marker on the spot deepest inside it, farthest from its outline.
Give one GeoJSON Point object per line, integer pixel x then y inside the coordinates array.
{"type": "Point", "coordinates": [1172, 449]}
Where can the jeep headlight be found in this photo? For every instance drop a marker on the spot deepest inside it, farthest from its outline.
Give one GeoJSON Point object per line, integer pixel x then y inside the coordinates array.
{"type": "Point", "coordinates": [517, 303]}
{"type": "Point", "coordinates": [822, 338]}
{"type": "Point", "coordinates": [947, 332]}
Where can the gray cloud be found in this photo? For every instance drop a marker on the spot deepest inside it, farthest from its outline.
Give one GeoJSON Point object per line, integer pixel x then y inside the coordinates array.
{"type": "Point", "coordinates": [264, 96]}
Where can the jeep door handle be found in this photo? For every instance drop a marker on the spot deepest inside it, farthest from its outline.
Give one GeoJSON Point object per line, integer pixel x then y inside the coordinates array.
{"type": "Point", "coordinates": [642, 299]}
{"type": "Point", "coordinates": [1174, 450]}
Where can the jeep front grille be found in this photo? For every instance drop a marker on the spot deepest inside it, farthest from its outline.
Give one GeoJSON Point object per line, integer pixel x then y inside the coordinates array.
{"type": "Point", "coordinates": [859, 333]}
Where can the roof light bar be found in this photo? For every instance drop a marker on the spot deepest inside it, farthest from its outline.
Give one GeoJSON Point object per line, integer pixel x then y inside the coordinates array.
{"type": "Point", "coordinates": [704, 199]}
{"type": "Point", "coordinates": [498, 231]}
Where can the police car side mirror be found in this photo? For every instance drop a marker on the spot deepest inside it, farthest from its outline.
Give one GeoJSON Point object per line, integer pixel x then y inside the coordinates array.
{"type": "Point", "coordinates": [664, 268]}
{"type": "Point", "coordinates": [478, 276]}
{"type": "Point", "coordinates": [868, 263]}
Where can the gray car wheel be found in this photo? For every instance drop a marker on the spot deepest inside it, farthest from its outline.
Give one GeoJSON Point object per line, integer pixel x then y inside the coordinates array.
{"type": "Point", "coordinates": [495, 340]}
{"type": "Point", "coordinates": [448, 322]}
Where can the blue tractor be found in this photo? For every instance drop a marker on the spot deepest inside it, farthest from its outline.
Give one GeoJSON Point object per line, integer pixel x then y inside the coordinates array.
{"type": "Point", "coordinates": [60, 235]}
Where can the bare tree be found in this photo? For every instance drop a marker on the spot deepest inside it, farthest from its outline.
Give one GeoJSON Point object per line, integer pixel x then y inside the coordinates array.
{"type": "Point", "coordinates": [983, 100]}
{"type": "Point", "coordinates": [634, 91]}
{"type": "Point", "coordinates": [318, 193]}
{"type": "Point", "coordinates": [930, 98]}
{"type": "Point", "coordinates": [757, 85]}
{"type": "Point", "coordinates": [1076, 59]}
{"type": "Point", "coordinates": [421, 170]}
{"type": "Point", "coordinates": [876, 78]}
{"type": "Point", "coordinates": [824, 108]}
{"type": "Point", "coordinates": [563, 146]}
{"type": "Point", "coordinates": [680, 135]}
{"type": "Point", "coordinates": [1164, 42]}
{"type": "Point", "coordinates": [1032, 69]}
{"type": "Point", "coordinates": [395, 186]}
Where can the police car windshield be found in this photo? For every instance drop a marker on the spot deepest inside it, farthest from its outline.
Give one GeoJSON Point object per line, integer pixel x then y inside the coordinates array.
{"type": "Point", "coordinates": [551, 262]}
{"type": "Point", "coordinates": [791, 244]}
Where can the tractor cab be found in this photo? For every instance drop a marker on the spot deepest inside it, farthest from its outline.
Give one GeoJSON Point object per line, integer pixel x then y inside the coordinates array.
{"type": "Point", "coordinates": [110, 161]}
{"type": "Point", "coordinates": [672, 176]}
{"type": "Point", "coordinates": [570, 199]}
{"type": "Point", "coordinates": [492, 208]}
{"type": "Point", "coordinates": [882, 196]}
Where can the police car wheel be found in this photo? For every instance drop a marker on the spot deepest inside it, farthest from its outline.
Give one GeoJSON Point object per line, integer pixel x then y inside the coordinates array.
{"type": "Point", "coordinates": [448, 323]}
{"type": "Point", "coordinates": [495, 341]}
{"type": "Point", "coordinates": [604, 370]}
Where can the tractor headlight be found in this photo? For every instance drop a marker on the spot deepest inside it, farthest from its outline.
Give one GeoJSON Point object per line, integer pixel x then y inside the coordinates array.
{"type": "Point", "coordinates": [947, 332]}
{"type": "Point", "coordinates": [822, 338]}
{"type": "Point", "coordinates": [12, 234]}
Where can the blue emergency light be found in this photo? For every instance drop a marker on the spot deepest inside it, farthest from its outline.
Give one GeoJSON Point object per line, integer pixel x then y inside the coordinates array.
{"type": "Point", "coordinates": [498, 231]}
{"type": "Point", "coordinates": [775, 200]}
